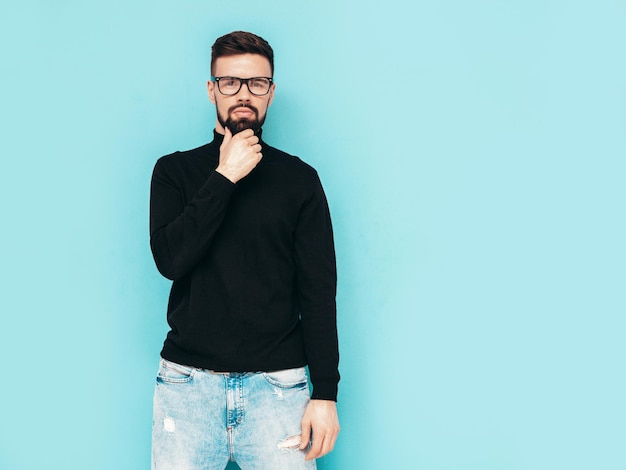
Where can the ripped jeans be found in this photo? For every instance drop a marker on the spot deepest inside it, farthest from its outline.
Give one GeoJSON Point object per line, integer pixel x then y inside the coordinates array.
{"type": "Point", "coordinates": [202, 419]}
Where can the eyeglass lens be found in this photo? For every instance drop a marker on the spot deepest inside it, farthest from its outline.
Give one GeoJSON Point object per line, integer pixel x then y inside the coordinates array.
{"type": "Point", "coordinates": [232, 85]}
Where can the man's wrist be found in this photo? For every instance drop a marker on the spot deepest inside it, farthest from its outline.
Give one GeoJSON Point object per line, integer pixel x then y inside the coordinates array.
{"type": "Point", "coordinates": [226, 174]}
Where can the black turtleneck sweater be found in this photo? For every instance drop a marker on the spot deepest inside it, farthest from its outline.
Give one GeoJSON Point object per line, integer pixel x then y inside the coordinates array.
{"type": "Point", "coordinates": [253, 265]}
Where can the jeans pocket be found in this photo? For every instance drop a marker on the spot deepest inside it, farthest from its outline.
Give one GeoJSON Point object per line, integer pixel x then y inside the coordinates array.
{"type": "Point", "coordinates": [287, 378]}
{"type": "Point", "coordinates": [171, 372]}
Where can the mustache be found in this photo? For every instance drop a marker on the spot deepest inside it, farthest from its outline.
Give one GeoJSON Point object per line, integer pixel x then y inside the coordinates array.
{"type": "Point", "coordinates": [243, 105]}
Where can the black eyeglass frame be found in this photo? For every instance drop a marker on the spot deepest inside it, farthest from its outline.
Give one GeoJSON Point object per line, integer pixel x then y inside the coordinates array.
{"type": "Point", "coordinates": [241, 83]}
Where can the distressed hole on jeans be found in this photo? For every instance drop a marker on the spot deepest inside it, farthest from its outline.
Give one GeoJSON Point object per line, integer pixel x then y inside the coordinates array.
{"type": "Point", "coordinates": [169, 424]}
{"type": "Point", "coordinates": [291, 442]}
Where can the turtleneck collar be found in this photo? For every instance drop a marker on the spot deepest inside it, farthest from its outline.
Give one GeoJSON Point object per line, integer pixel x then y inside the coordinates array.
{"type": "Point", "coordinates": [219, 138]}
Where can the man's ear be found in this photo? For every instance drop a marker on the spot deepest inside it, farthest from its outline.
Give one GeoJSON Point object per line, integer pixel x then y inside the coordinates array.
{"type": "Point", "coordinates": [272, 88]}
{"type": "Point", "coordinates": [211, 90]}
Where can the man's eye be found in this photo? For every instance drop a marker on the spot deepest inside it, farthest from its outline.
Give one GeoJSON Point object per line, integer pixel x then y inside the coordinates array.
{"type": "Point", "coordinates": [261, 84]}
{"type": "Point", "coordinates": [229, 82]}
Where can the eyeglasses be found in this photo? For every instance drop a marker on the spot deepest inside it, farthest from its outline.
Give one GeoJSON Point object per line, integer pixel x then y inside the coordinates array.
{"type": "Point", "coordinates": [229, 86]}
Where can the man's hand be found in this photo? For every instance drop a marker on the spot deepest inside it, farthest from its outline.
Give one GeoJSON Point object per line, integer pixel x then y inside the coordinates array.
{"type": "Point", "coordinates": [320, 417]}
{"type": "Point", "coordinates": [239, 154]}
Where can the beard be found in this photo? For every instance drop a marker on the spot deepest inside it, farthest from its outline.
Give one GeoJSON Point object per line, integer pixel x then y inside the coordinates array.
{"type": "Point", "coordinates": [239, 125]}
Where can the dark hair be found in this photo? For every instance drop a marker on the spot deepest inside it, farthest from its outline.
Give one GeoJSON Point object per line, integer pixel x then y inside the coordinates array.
{"type": "Point", "coordinates": [241, 42]}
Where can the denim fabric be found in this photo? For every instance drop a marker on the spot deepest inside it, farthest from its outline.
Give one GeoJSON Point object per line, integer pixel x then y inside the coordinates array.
{"type": "Point", "coordinates": [203, 418]}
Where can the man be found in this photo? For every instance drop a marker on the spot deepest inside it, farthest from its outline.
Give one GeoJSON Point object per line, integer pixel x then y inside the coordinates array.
{"type": "Point", "coordinates": [244, 232]}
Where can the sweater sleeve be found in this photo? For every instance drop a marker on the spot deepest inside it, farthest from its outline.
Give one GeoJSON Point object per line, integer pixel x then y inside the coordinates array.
{"type": "Point", "coordinates": [181, 234]}
{"type": "Point", "coordinates": [317, 284]}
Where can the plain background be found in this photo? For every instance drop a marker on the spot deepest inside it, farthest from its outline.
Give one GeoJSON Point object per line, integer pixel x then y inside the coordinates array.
{"type": "Point", "coordinates": [473, 156]}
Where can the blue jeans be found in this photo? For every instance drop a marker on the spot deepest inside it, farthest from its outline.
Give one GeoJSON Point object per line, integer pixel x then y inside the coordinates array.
{"type": "Point", "coordinates": [202, 419]}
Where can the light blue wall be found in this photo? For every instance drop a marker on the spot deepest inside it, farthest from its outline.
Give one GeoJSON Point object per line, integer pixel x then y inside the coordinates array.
{"type": "Point", "coordinates": [473, 155]}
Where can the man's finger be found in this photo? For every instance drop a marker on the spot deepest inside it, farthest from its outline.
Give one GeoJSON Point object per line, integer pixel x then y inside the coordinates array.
{"type": "Point", "coordinates": [246, 134]}
{"type": "Point", "coordinates": [329, 444]}
{"type": "Point", "coordinates": [306, 435]}
{"type": "Point", "coordinates": [316, 448]}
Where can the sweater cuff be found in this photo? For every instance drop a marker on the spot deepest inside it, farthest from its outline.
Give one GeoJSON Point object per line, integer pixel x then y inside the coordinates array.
{"type": "Point", "coordinates": [324, 391]}
{"type": "Point", "coordinates": [217, 185]}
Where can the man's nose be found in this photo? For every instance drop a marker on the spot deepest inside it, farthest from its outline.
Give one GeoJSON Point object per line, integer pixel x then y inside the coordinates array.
{"type": "Point", "coordinates": [244, 92]}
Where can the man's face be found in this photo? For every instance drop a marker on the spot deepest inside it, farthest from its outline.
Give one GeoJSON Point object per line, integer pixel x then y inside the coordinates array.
{"type": "Point", "coordinates": [242, 110]}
